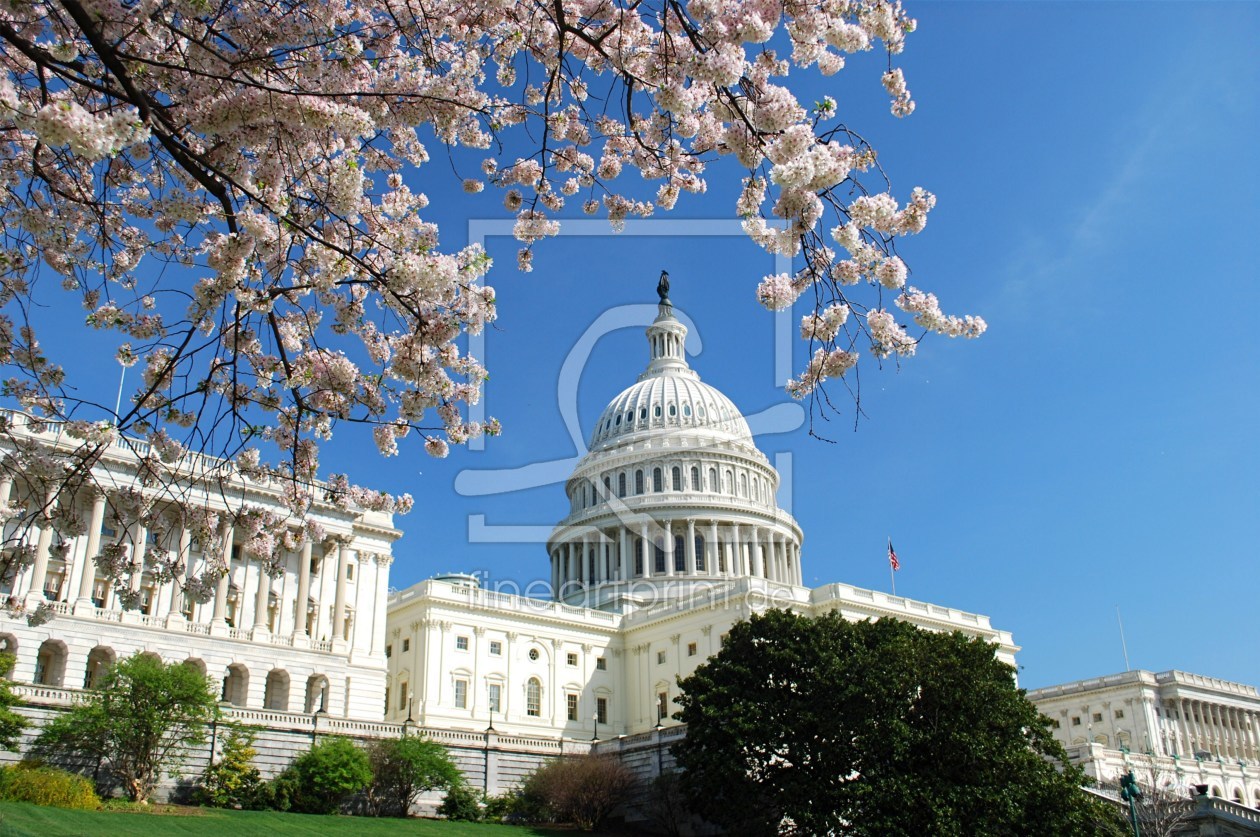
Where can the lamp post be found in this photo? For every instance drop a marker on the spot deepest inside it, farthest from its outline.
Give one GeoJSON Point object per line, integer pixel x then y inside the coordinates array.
{"type": "Point", "coordinates": [315, 716]}
{"type": "Point", "coordinates": [595, 726]}
{"type": "Point", "coordinates": [410, 723]}
{"type": "Point", "coordinates": [660, 769]}
{"type": "Point", "coordinates": [1131, 793]}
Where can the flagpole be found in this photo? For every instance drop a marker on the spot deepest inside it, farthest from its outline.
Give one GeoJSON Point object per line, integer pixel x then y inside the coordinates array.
{"type": "Point", "coordinates": [892, 576]}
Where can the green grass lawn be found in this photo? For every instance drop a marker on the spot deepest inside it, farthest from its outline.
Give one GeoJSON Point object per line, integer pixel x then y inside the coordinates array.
{"type": "Point", "coordinates": [20, 819]}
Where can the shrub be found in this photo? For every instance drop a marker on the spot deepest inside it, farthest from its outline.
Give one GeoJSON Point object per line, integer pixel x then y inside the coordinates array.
{"type": "Point", "coordinates": [582, 790]}
{"type": "Point", "coordinates": [403, 768]}
{"type": "Point", "coordinates": [233, 781]}
{"type": "Point", "coordinates": [462, 803]}
{"type": "Point", "coordinates": [27, 782]}
{"type": "Point", "coordinates": [320, 780]}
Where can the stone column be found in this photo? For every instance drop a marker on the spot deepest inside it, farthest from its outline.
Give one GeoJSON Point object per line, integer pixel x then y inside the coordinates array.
{"type": "Point", "coordinates": [228, 532]}
{"type": "Point", "coordinates": [140, 544]}
{"type": "Point", "coordinates": [43, 548]}
{"type": "Point", "coordinates": [646, 548]}
{"type": "Point", "coordinates": [339, 599]}
{"type": "Point", "coordinates": [169, 600]}
{"type": "Point", "coordinates": [87, 580]}
{"type": "Point", "coordinates": [689, 547]}
{"type": "Point", "coordinates": [364, 611]}
{"type": "Point", "coordinates": [668, 543]}
{"type": "Point", "coordinates": [623, 553]}
{"type": "Point", "coordinates": [303, 590]}
{"type": "Point", "coordinates": [383, 560]}
{"type": "Point", "coordinates": [261, 599]}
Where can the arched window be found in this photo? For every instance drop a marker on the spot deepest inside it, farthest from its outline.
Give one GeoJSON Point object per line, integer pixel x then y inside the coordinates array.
{"type": "Point", "coordinates": [659, 558]}
{"type": "Point", "coordinates": [701, 411]}
{"type": "Point", "coordinates": [743, 485]}
{"type": "Point", "coordinates": [236, 684]}
{"type": "Point", "coordinates": [638, 556]}
{"type": "Point", "coordinates": [621, 484]}
{"type": "Point", "coordinates": [676, 478]}
{"type": "Point", "coordinates": [533, 698]}
{"type": "Point", "coordinates": [656, 480]}
{"type": "Point", "coordinates": [638, 482]}
{"type": "Point", "coordinates": [700, 553]}
{"type": "Point", "coordinates": [680, 557]}
{"type": "Point", "coordinates": [656, 411]}
{"type": "Point", "coordinates": [643, 414]}
{"type": "Point", "coordinates": [99, 659]}
{"type": "Point", "coordinates": [607, 487]}
{"type": "Point", "coordinates": [276, 690]}
{"type": "Point", "coordinates": [50, 663]}
{"type": "Point", "coordinates": [713, 483]}
{"type": "Point", "coordinates": [695, 478]}
{"type": "Point", "coordinates": [687, 411]}
{"type": "Point", "coordinates": [629, 416]}
{"type": "Point", "coordinates": [756, 489]}
{"type": "Point", "coordinates": [673, 410]}
{"type": "Point", "coordinates": [728, 486]}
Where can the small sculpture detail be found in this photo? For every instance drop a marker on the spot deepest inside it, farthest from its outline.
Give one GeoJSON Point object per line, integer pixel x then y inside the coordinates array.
{"type": "Point", "coordinates": [662, 287]}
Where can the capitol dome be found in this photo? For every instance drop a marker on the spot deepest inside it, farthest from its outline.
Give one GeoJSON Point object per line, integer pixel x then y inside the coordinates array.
{"type": "Point", "coordinates": [672, 495]}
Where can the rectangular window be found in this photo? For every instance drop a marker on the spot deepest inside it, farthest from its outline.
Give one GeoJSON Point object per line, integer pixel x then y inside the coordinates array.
{"type": "Point", "coordinates": [496, 697]}
{"type": "Point", "coordinates": [461, 643]}
{"type": "Point", "coordinates": [680, 558]}
{"type": "Point", "coordinates": [406, 645]}
{"type": "Point", "coordinates": [660, 658]}
{"type": "Point", "coordinates": [314, 566]}
{"type": "Point", "coordinates": [1076, 721]}
{"type": "Point", "coordinates": [662, 706]}
{"type": "Point", "coordinates": [496, 648]}
{"type": "Point", "coordinates": [570, 659]}
{"type": "Point", "coordinates": [691, 649]}
{"type": "Point", "coordinates": [601, 663]}
{"type": "Point", "coordinates": [1054, 723]}
{"type": "Point", "coordinates": [403, 696]}
{"type": "Point", "coordinates": [1119, 713]}
{"type": "Point", "coordinates": [571, 705]}
{"type": "Point", "coordinates": [601, 709]}
{"type": "Point", "coordinates": [1098, 717]}
{"type": "Point", "coordinates": [349, 572]}
{"type": "Point", "coordinates": [660, 559]}
{"type": "Point", "coordinates": [389, 651]}
{"type": "Point", "coordinates": [722, 640]}
{"type": "Point", "coordinates": [461, 694]}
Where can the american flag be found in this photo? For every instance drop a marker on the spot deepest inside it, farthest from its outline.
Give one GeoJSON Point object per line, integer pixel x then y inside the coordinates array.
{"type": "Point", "coordinates": [892, 557]}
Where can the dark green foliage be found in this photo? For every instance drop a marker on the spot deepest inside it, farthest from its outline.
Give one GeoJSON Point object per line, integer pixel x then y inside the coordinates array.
{"type": "Point", "coordinates": [823, 726]}
{"type": "Point", "coordinates": [402, 769]}
{"type": "Point", "coordinates": [233, 781]}
{"type": "Point", "coordinates": [32, 782]}
{"type": "Point", "coordinates": [463, 803]}
{"type": "Point", "coordinates": [583, 790]}
{"type": "Point", "coordinates": [138, 723]}
{"type": "Point", "coordinates": [11, 723]}
{"type": "Point", "coordinates": [321, 780]}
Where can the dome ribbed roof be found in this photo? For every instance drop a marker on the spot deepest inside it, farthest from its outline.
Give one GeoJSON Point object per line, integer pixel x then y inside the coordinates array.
{"type": "Point", "coordinates": [669, 395]}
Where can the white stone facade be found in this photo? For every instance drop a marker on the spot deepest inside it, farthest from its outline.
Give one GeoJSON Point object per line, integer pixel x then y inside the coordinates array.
{"type": "Point", "coordinates": [674, 534]}
{"type": "Point", "coordinates": [269, 652]}
{"type": "Point", "coordinates": [1186, 729]}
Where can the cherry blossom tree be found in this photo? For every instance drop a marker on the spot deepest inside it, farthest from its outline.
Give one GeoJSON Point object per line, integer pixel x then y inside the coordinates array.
{"type": "Point", "coordinates": [230, 188]}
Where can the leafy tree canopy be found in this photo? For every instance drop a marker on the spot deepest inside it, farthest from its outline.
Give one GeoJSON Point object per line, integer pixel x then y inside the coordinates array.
{"type": "Point", "coordinates": [402, 769]}
{"type": "Point", "coordinates": [137, 724]}
{"type": "Point", "coordinates": [11, 723]}
{"type": "Point", "coordinates": [823, 726]}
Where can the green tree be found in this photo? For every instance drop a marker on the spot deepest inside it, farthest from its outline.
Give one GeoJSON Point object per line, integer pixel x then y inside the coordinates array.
{"type": "Point", "coordinates": [402, 769]}
{"type": "Point", "coordinates": [320, 780]}
{"type": "Point", "coordinates": [825, 726]}
{"type": "Point", "coordinates": [233, 781]}
{"type": "Point", "coordinates": [11, 723]}
{"type": "Point", "coordinates": [138, 724]}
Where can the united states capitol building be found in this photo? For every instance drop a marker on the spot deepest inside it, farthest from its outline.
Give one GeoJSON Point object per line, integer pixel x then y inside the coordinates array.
{"type": "Point", "coordinates": [673, 535]}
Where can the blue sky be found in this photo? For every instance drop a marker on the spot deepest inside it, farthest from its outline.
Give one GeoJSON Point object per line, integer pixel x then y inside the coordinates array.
{"type": "Point", "coordinates": [1097, 179]}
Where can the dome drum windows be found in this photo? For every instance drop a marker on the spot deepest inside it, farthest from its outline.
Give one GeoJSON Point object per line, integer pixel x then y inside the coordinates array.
{"type": "Point", "coordinates": [695, 478]}
{"type": "Point", "coordinates": [638, 481]}
{"type": "Point", "coordinates": [657, 481]}
{"type": "Point", "coordinates": [621, 484]}
{"type": "Point", "coordinates": [676, 478]}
